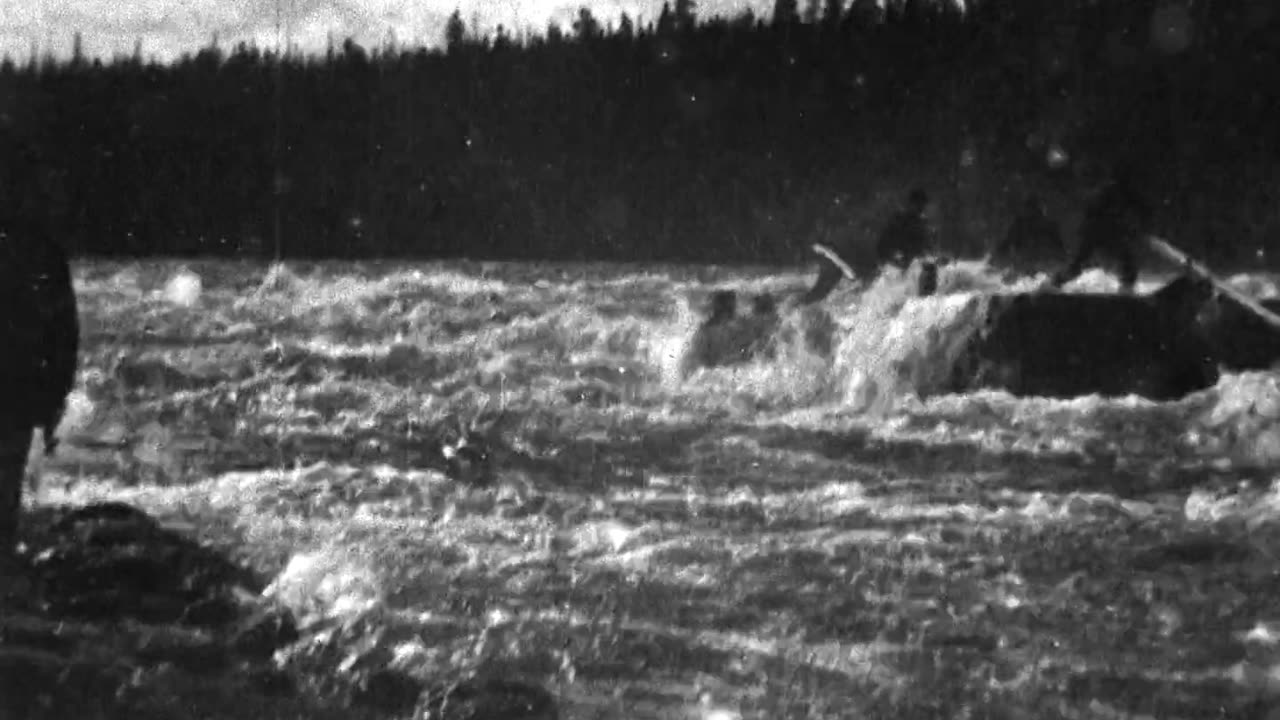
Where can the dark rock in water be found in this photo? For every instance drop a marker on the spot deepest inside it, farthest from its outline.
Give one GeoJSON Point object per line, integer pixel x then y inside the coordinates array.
{"type": "Point", "coordinates": [390, 691]}
{"type": "Point", "coordinates": [40, 329]}
{"type": "Point", "coordinates": [611, 373]}
{"type": "Point", "coordinates": [40, 325]}
{"type": "Point", "coordinates": [1241, 339]}
{"type": "Point", "coordinates": [257, 637]}
{"type": "Point", "coordinates": [1071, 345]}
{"type": "Point", "coordinates": [818, 329]}
{"type": "Point", "coordinates": [601, 384]}
{"type": "Point", "coordinates": [467, 458]}
{"type": "Point", "coordinates": [103, 524]}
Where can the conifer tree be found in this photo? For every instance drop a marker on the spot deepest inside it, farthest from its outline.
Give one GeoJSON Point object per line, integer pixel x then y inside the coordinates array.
{"type": "Point", "coordinates": [685, 15]}
{"type": "Point", "coordinates": [785, 12]}
{"type": "Point", "coordinates": [455, 31]}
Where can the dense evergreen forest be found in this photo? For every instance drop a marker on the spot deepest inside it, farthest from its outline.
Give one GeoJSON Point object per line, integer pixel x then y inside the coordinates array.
{"type": "Point", "coordinates": [689, 138]}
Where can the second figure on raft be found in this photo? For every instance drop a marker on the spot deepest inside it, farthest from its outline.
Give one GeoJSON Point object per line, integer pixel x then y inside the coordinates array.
{"type": "Point", "coordinates": [1115, 221]}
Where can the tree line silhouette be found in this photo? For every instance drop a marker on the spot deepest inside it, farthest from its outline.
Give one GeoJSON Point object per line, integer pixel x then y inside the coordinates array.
{"type": "Point", "coordinates": [737, 139]}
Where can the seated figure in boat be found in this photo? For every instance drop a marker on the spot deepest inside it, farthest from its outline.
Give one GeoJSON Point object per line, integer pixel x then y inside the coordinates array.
{"type": "Point", "coordinates": [716, 341]}
{"type": "Point", "coordinates": [1031, 236]}
{"type": "Point", "coordinates": [1108, 344]}
{"type": "Point", "coordinates": [1114, 224]}
{"type": "Point", "coordinates": [907, 235]}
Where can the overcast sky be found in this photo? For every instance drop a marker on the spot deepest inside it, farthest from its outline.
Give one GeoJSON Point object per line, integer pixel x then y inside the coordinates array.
{"type": "Point", "coordinates": [170, 27]}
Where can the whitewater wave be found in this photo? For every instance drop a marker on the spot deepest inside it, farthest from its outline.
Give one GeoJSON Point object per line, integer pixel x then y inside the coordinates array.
{"type": "Point", "coordinates": [422, 339]}
{"type": "Point", "coordinates": [894, 353]}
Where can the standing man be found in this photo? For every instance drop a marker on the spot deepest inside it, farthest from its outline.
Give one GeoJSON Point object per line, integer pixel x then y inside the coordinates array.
{"type": "Point", "coordinates": [1031, 233]}
{"type": "Point", "coordinates": [1114, 223]}
{"type": "Point", "coordinates": [908, 235]}
{"type": "Point", "coordinates": [40, 331]}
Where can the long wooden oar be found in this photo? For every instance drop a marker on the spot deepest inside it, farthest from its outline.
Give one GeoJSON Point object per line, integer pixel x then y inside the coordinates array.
{"type": "Point", "coordinates": [835, 259]}
{"type": "Point", "coordinates": [1181, 259]}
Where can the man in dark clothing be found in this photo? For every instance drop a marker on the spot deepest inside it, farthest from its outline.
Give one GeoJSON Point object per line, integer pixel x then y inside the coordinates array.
{"type": "Point", "coordinates": [1113, 226]}
{"type": "Point", "coordinates": [40, 330]}
{"type": "Point", "coordinates": [908, 235]}
{"type": "Point", "coordinates": [1032, 232]}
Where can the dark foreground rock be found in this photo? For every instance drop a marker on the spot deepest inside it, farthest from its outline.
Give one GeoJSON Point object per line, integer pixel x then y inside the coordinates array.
{"type": "Point", "coordinates": [1071, 345]}
{"type": "Point", "coordinates": [105, 592]}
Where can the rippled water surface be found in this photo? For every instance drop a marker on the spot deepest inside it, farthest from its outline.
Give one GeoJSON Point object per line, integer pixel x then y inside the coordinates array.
{"type": "Point", "coordinates": [803, 537]}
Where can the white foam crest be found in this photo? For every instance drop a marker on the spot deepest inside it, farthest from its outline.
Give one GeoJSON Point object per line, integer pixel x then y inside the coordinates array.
{"type": "Point", "coordinates": [667, 344]}
{"type": "Point", "coordinates": [892, 352]}
{"type": "Point", "coordinates": [1241, 420]}
{"type": "Point", "coordinates": [183, 288]}
{"type": "Point", "coordinates": [329, 583]}
{"type": "Point", "coordinates": [1262, 287]}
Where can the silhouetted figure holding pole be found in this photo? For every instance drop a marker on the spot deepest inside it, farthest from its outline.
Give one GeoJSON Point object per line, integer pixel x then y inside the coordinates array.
{"type": "Point", "coordinates": [1113, 225]}
{"type": "Point", "coordinates": [1031, 233]}
{"type": "Point", "coordinates": [908, 234]}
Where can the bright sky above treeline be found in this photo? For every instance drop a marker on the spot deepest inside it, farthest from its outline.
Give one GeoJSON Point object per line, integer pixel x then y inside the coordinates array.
{"type": "Point", "coordinates": [168, 28]}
